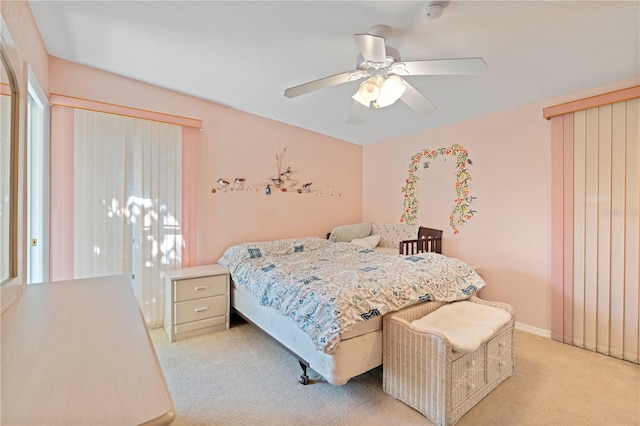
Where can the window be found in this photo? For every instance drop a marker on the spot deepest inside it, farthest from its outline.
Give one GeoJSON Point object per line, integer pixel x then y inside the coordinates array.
{"type": "Point", "coordinates": [7, 174]}
{"type": "Point", "coordinates": [9, 159]}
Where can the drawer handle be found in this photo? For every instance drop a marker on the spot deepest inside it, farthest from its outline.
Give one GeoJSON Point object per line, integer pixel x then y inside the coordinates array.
{"type": "Point", "coordinates": [473, 363]}
{"type": "Point", "coordinates": [198, 310]}
{"type": "Point", "coordinates": [503, 344]}
{"type": "Point", "coordinates": [502, 363]}
{"type": "Point", "coordinates": [472, 386]}
{"type": "Point", "coordinates": [204, 287]}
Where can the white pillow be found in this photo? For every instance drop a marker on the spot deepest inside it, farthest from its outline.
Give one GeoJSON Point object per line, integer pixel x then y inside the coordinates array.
{"type": "Point", "coordinates": [346, 233]}
{"type": "Point", "coordinates": [369, 242]}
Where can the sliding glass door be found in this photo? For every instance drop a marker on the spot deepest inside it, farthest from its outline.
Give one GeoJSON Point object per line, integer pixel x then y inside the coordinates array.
{"type": "Point", "coordinates": [37, 184]}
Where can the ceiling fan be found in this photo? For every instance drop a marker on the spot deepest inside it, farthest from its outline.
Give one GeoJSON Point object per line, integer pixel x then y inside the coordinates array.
{"type": "Point", "coordinates": [383, 69]}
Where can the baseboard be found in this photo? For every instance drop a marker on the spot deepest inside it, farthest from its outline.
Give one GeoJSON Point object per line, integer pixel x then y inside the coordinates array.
{"type": "Point", "coordinates": [533, 330]}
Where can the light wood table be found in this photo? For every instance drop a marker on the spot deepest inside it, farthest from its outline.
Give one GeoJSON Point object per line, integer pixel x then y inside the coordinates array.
{"type": "Point", "coordinates": [79, 352]}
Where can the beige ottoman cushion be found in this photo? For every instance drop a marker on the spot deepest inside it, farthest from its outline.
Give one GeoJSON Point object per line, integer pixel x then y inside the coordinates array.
{"type": "Point", "coordinates": [467, 325]}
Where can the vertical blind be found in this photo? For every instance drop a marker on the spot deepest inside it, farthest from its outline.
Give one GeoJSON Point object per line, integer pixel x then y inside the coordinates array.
{"type": "Point", "coordinates": [606, 229]}
{"type": "Point", "coordinates": [127, 204]}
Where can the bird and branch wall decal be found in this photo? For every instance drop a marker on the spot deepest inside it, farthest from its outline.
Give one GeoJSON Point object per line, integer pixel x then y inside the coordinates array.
{"type": "Point", "coordinates": [283, 182]}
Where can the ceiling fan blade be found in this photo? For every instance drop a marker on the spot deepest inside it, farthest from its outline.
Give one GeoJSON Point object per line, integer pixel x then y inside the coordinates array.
{"type": "Point", "coordinates": [358, 113]}
{"type": "Point", "coordinates": [333, 80]}
{"type": "Point", "coordinates": [371, 47]}
{"type": "Point", "coordinates": [417, 101]}
{"type": "Point", "coordinates": [463, 66]}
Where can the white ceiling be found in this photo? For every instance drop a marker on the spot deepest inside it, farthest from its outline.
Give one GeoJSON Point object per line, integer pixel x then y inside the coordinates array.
{"type": "Point", "coordinates": [244, 54]}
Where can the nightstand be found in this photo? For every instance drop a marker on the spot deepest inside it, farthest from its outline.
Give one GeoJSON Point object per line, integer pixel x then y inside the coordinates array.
{"type": "Point", "coordinates": [196, 301]}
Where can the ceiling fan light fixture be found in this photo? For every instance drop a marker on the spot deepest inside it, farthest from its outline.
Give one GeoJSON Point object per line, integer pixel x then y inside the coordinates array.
{"type": "Point", "coordinates": [392, 89]}
{"type": "Point", "coordinates": [370, 89]}
{"type": "Point", "coordinates": [358, 98]}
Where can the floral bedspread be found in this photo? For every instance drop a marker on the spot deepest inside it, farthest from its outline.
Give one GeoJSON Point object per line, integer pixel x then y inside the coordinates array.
{"type": "Point", "coordinates": [326, 288]}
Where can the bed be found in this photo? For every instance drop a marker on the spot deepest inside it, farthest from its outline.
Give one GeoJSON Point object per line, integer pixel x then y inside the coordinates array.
{"type": "Point", "coordinates": [324, 301]}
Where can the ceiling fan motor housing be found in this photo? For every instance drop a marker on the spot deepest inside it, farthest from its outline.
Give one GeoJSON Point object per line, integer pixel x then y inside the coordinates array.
{"type": "Point", "coordinates": [378, 68]}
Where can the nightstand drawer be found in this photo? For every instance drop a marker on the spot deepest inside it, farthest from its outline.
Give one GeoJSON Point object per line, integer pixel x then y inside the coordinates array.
{"type": "Point", "coordinates": [218, 322]}
{"type": "Point", "coordinates": [193, 310]}
{"type": "Point", "coordinates": [196, 288]}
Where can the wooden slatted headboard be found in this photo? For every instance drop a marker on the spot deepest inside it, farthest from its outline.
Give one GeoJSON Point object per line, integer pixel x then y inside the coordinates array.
{"type": "Point", "coordinates": [429, 240]}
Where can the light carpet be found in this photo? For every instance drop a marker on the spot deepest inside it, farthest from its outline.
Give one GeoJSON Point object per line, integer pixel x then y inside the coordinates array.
{"type": "Point", "coordinates": [242, 377]}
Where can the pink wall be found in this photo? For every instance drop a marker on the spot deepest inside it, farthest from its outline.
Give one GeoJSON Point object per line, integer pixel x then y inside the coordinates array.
{"type": "Point", "coordinates": [236, 144]}
{"type": "Point", "coordinates": [26, 38]}
{"type": "Point", "coordinates": [509, 238]}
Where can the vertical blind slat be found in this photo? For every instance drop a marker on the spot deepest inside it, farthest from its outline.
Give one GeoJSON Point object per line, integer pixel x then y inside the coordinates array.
{"type": "Point", "coordinates": [604, 229]}
{"type": "Point", "coordinates": [568, 227]}
{"type": "Point", "coordinates": [618, 152]}
{"type": "Point", "coordinates": [632, 218]}
{"type": "Point", "coordinates": [592, 197]}
{"type": "Point", "coordinates": [579, 219]}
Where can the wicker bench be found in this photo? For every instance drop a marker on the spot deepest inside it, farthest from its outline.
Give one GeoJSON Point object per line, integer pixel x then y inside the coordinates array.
{"type": "Point", "coordinates": [421, 369]}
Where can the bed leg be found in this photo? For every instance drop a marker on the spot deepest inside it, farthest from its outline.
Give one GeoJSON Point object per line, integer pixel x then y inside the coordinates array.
{"type": "Point", "coordinates": [304, 379]}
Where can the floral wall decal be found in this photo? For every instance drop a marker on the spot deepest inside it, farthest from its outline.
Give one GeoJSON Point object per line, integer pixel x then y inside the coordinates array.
{"type": "Point", "coordinates": [462, 210]}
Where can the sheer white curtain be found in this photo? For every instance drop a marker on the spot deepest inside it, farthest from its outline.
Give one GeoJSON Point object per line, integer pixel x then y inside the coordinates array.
{"type": "Point", "coordinates": [127, 203]}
